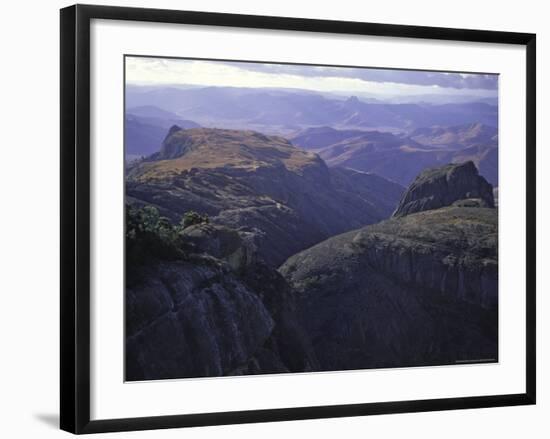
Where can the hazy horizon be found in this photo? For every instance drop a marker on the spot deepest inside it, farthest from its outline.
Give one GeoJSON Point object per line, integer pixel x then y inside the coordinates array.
{"type": "Point", "coordinates": [377, 83]}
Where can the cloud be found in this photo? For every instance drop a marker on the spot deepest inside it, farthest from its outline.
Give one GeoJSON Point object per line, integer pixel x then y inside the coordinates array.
{"type": "Point", "coordinates": [411, 77]}
{"type": "Point", "coordinates": [376, 82]}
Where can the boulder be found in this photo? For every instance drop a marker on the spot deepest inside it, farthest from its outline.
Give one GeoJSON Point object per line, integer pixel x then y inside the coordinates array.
{"type": "Point", "coordinates": [440, 187]}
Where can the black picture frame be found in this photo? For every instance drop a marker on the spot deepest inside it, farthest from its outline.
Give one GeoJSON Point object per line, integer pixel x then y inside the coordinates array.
{"type": "Point", "coordinates": [75, 217]}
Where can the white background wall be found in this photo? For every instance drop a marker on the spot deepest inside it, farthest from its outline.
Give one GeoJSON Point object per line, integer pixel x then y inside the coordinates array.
{"type": "Point", "coordinates": [29, 206]}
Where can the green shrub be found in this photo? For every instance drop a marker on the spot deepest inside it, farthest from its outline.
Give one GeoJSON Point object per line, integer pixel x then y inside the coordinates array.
{"type": "Point", "coordinates": [151, 236]}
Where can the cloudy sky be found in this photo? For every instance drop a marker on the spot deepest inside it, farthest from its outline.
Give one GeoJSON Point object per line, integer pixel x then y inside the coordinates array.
{"type": "Point", "coordinates": [158, 71]}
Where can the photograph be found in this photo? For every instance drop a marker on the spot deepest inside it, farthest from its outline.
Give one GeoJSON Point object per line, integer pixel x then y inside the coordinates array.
{"type": "Point", "coordinates": [290, 218]}
{"type": "Point", "coordinates": [266, 220]}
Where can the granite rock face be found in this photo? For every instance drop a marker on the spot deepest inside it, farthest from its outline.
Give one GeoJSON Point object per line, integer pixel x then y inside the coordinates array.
{"type": "Point", "coordinates": [221, 242]}
{"type": "Point", "coordinates": [439, 187]}
{"type": "Point", "coordinates": [192, 320]}
{"type": "Point", "coordinates": [415, 290]}
{"type": "Point", "coordinates": [219, 312]}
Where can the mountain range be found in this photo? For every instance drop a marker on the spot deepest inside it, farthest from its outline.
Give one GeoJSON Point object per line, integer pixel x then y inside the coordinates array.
{"type": "Point", "coordinates": [276, 230]}
{"type": "Point", "coordinates": [401, 157]}
{"type": "Point", "coordinates": [305, 267]}
{"type": "Point", "coordinates": [283, 111]}
{"type": "Point", "coordinates": [393, 140]}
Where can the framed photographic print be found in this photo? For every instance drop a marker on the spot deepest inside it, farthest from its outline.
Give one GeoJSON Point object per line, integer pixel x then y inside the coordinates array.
{"type": "Point", "coordinates": [269, 218]}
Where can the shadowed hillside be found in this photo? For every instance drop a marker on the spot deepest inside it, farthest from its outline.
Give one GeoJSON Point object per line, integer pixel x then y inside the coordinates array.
{"type": "Point", "coordinates": [418, 289]}
{"type": "Point", "coordinates": [284, 198]}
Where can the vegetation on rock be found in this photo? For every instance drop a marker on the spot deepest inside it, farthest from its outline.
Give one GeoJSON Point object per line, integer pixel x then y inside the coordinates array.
{"type": "Point", "coordinates": [150, 236]}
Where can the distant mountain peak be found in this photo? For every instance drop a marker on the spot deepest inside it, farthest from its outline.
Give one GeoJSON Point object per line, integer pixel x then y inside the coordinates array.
{"type": "Point", "coordinates": [353, 100]}
{"type": "Point", "coordinates": [443, 186]}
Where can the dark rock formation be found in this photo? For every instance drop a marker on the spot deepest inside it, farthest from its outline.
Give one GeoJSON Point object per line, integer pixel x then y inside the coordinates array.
{"type": "Point", "coordinates": [173, 129]}
{"type": "Point", "coordinates": [192, 320]}
{"type": "Point", "coordinates": [212, 315]}
{"type": "Point", "coordinates": [175, 144]}
{"type": "Point", "coordinates": [439, 187]}
{"type": "Point", "coordinates": [220, 242]}
{"type": "Point", "coordinates": [415, 290]}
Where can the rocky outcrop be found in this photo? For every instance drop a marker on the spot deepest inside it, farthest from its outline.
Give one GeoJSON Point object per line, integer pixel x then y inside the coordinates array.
{"type": "Point", "coordinates": [414, 290]}
{"type": "Point", "coordinates": [440, 187]}
{"type": "Point", "coordinates": [187, 319]}
{"type": "Point", "coordinates": [217, 312]}
{"type": "Point", "coordinates": [221, 242]}
{"type": "Point", "coordinates": [285, 198]}
{"type": "Point", "coordinates": [175, 144]}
